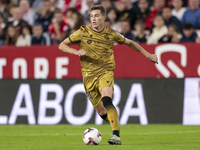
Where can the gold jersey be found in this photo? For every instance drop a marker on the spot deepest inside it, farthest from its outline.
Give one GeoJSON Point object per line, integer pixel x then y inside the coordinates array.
{"type": "Point", "coordinates": [99, 55]}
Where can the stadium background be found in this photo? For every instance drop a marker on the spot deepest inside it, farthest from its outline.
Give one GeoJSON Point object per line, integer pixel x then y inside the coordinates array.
{"type": "Point", "coordinates": [46, 88]}
{"type": "Point", "coordinates": [42, 85]}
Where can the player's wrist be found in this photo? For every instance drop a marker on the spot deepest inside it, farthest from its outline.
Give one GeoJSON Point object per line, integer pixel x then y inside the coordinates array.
{"type": "Point", "coordinates": [74, 51]}
{"type": "Point", "coordinates": [145, 53]}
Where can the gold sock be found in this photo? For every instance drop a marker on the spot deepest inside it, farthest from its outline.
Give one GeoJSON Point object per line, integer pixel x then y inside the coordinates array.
{"type": "Point", "coordinates": [112, 114]}
{"type": "Point", "coordinates": [113, 117]}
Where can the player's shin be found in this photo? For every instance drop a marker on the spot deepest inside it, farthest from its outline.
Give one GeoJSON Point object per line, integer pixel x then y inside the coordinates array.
{"type": "Point", "coordinates": [112, 114]}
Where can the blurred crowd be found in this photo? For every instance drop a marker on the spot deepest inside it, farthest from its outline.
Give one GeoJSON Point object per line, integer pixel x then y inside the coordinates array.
{"type": "Point", "coordinates": [47, 22]}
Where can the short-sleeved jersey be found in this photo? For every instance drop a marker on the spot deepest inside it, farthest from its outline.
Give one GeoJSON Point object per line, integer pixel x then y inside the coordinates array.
{"type": "Point", "coordinates": [99, 55]}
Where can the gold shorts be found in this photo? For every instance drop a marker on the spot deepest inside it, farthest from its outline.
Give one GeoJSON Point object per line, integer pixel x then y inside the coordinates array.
{"type": "Point", "coordinates": [94, 84]}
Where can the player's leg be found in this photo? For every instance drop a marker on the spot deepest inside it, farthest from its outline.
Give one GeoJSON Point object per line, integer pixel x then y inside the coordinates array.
{"type": "Point", "coordinates": [95, 98]}
{"type": "Point", "coordinates": [101, 109]}
{"type": "Point", "coordinates": [112, 114]}
{"type": "Point", "coordinates": [100, 89]}
{"type": "Point", "coordinates": [102, 112]}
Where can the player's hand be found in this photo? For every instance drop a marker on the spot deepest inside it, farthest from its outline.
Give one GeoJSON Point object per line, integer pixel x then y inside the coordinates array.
{"type": "Point", "coordinates": [153, 58]}
{"type": "Point", "coordinates": [80, 52]}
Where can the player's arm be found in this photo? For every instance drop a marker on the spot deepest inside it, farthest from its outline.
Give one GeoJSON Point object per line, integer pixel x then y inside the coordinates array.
{"type": "Point", "coordinates": [138, 48]}
{"type": "Point", "coordinates": [65, 48]}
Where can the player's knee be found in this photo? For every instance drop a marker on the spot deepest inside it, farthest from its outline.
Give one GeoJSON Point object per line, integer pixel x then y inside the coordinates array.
{"type": "Point", "coordinates": [107, 102]}
{"type": "Point", "coordinates": [107, 91]}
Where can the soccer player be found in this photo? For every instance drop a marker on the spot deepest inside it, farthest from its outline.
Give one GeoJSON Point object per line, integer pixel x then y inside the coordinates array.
{"type": "Point", "coordinates": [97, 64]}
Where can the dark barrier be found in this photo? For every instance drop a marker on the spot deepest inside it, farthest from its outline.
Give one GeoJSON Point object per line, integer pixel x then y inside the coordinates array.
{"type": "Point", "coordinates": [53, 101]}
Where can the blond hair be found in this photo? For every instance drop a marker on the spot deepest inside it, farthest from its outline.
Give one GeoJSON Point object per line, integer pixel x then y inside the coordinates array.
{"type": "Point", "coordinates": [98, 7]}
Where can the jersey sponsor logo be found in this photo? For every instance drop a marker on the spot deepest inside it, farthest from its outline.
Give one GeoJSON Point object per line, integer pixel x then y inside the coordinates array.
{"type": "Point", "coordinates": [103, 43]}
{"type": "Point", "coordinates": [99, 42]}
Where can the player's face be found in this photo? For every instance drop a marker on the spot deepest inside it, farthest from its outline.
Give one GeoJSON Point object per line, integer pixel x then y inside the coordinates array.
{"type": "Point", "coordinates": [97, 19]}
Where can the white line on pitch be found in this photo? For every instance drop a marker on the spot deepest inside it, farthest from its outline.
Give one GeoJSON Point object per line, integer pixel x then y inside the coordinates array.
{"type": "Point", "coordinates": [58, 134]}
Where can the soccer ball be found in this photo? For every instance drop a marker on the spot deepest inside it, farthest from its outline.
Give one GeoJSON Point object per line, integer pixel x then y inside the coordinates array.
{"type": "Point", "coordinates": [91, 136]}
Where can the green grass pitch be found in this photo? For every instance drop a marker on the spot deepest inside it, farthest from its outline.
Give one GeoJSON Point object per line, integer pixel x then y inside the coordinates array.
{"type": "Point", "coordinates": [69, 137]}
